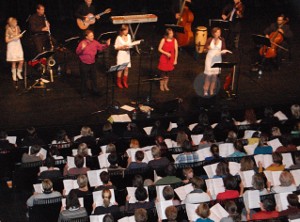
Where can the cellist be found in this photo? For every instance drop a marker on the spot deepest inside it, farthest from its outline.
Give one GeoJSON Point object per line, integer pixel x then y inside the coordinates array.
{"type": "Point", "coordinates": [284, 30]}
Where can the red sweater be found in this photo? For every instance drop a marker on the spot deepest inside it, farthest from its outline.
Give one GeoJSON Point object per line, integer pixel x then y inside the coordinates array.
{"type": "Point", "coordinates": [228, 194]}
{"type": "Point", "coordinates": [263, 215]}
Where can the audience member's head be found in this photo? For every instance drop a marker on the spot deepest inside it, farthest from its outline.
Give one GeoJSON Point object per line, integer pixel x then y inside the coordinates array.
{"type": "Point", "coordinates": [31, 132]}
{"type": "Point", "coordinates": [139, 156]}
{"type": "Point", "coordinates": [247, 163]}
{"type": "Point", "coordinates": [268, 205]}
{"type": "Point", "coordinates": [203, 119]}
{"type": "Point", "coordinates": [137, 181]}
{"type": "Point", "coordinates": [268, 112]}
{"type": "Point", "coordinates": [134, 143]}
{"type": "Point", "coordinates": [141, 194]}
{"type": "Point", "coordinates": [286, 179]}
{"type": "Point", "coordinates": [83, 149]}
{"type": "Point", "coordinates": [86, 131]}
{"type": "Point", "coordinates": [47, 186]}
{"type": "Point", "coordinates": [79, 161]}
{"type": "Point", "coordinates": [214, 149]}
{"type": "Point", "coordinates": [104, 177]}
{"type": "Point", "coordinates": [277, 158]}
{"type": "Point", "coordinates": [82, 181]}
{"type": "Point", "coordinates": [108, 218]}
{"type": "Point", "coordinates": [187, 146]}
{"type": "Point", "coordinates": [155, 152]}
{"type": "Point", "coordinates": [293, 200]}
{"type": "Point", "coordinates": [258, 181]}
{"type": "Point", "coordinates": [231, 137]}
{"type": "Point", "coordinates": [106, 196]}
{"type": "Point", "coordinates": [181, 137]}
{"type": "Point", "coordinates": [111, 148]}
{"type": "Point", "coordinates": [35, 149]}
{"type": "Point", "coordinates": [230, 183]}
{"type": "Point", "coordinates": [275, 131]}
{"type": "Point", "coordinates": [222, 169]}
{"type": "Point", "coordinates": [171, 213]}
{"type": "Point", "coordinates": [50, 162]}
{"type": "Point", "coordinates": [72, 201]}
{"type": "Point", "coordinates": [250, 116]}
{"type": "Point", "coordinates": [232, 209]}
{"type": "Point", "coordinates": [208, 135]}
{"type": "Point", "coordinates": [140, 215]}
{"type": "Point", "coordinates": [203, 210]}
{"type": "Point", "coordinates": [238, 145]}
{"type": "Point", "coordinates": [188, 173]}
{"type": "Point", "coordinates": [113, 159]}
{"type": "Point", "coordinates": [263, 140]}
{"type": "Point", "coordinates": [168, 193]}
{"type": "Point", "coordinates": [107, 127]}
{"type": "Point", "coordinates": [295, 110]}
{"type": "Point", "coordinates": [170, 170]}
{"type": "Point", "coordinates": [61, 135]}
{"type": "Point", "coordinates": [3, 135]}
{"type": "Point", "coordinates": [198, 182]}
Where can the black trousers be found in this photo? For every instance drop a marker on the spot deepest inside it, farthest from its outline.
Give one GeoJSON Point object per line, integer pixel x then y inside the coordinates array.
{"type": "Point", "coordinates": [41, 42]}
{"type": "Point", "coordinates": [88, 72]}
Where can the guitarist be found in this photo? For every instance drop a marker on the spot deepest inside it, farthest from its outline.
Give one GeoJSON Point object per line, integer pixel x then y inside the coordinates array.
{"type": "Point", "coordinates": [233, 12]}
{"type": "Point", "coordinates": [83, 10]}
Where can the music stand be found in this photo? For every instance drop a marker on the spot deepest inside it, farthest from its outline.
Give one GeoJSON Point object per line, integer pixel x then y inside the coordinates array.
{"type": "Point", "coordinates": [151, 87]}
{"type": "Point", "coordinates": [228, 65]}
{"type": "Point", "coordinates": [261, 40]}
{"type": "Point", "coordinates": [222, 24]}
{"type": "Point", "coordinates": [175, 28]}
{"type": "Point", "coordinates": [107, 35]}
{"type": "Point", "coordinates": [111, 71]}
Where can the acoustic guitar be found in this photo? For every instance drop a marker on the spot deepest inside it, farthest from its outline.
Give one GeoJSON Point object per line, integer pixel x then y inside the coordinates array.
{"type": "Point", "coordinates": [84, 24]}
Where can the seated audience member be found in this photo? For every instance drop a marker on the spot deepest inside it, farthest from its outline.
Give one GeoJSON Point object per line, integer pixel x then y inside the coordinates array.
{"type": "Point", "coordinates": [202, 125]}
{"type": "Point", "coordinates": [214, 149]}
{"type": "Point", "coordinates": [181, 126]}
{"type": "Point", "coordinates": [297, 162]}
{"type": "Point", "coordinates": [276, 165]}
{"type": "Point", "coordinates": [181, 137]}
{"type": "Point", "coordinates": [249, 118]}
{"type": "Point", "coordinates": [198, 195]}
{"type": "Point", "coordinates": [287, 183]}
{"type": "Point", "coordinates": [208, 137]}
{"type": "Point", "coordinates": [138, 164]}
{"type": "Point", "coordinates": [171, 214]}
{"type": "Point", "coordinates": [87, 137]}
{"type": "Point", "coordinates": [107, 184]}
{"type": "Point", "coordinates": [31, 138]}
{"type": "Point", "coordinates": [52, 172]}
{"type": "Point", "coordinates": [254, 138]}
{"type": "Point", "coordinates": [79, 169]}
{"type": "Point", "coordinates": [231, 137]}
{"type": "Point", "coordinates": [62, 138]}
{"type": "Point", "coordinates": [158, 162]}
{"type": "Point", "coordinates": [293, 207]}
{"type": "Point", "coordinates": [141, 196]}
{"type": "Point", "coordinates": [188, 155]}
{"type": "Point", "coordinates": [83, 150]}
{"type": "Point", "coordinates": [137, 181]}
{"type": "Point", "coordinates": [157, 129]}
{"type": "Point", "coordinates": [108, 135]}
{"type": "Point", "coordinates": [263, 147]}
{"type": "Point", "coordinates": [275, 133]}
{"type": "Point", "coordinates": [258, 183]}
{"type": "Point", "coordinates": [269, 119]}
{"type": "Point", "coordinates": [107, 207]}
{"type": "Point", "coordinates": [203, 212]}
{"type": "Point", "coordinates": [4, 143]}
{"type": "Point", "coordinates": [113, 162]}
{"type": "Point", "coordinates": [247, 163]}
{"type": "Point", "coordinates": [108, 218]}
{"type": "Point", "coordinates": [170, 177]}
{"type": "Point", "coordinates": [222, 170]}
{"type": "Point", "coordinates": [238, 149]}
{"type": "Point", "coordinates": [73, 209]}
{"type": "Point", "coordinates": [268, 211]}
{"type": "Point", "coordinates": [188, 174]}
{"type": "Point", "coordinates": [230, 184]}
{"type": "Point", "coordinates": [132, 131]}
{"type": "Point", "coordinates": [133, 145]}
{"type": "Point", "coordinates": [111, 148]}
{"type": "Point", "coordinates": [287, 145]}
{"type": "Point", "coordinates": [47, 193]}
{"type": "Point", "coordinates": [33, 156]}
{"type": "Point", "coordinates": [232, 210]}
{"type": "Point", "coordinates": [83, 189]}
{"type": "Point", "coordinates": [295, 111]}
{"type": "Point", "coordinates": [168, 194]}
{"type": "Point", "coordinates": [140, 215]}
{"type": "Point", "coordinates": [225, 125]}
{"type": "Point", "coordinates": [160, 143]}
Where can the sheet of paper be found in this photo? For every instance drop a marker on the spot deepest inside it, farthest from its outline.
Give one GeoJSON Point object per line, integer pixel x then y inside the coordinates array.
{"type": "Point", "coordinates": [215, 186]}
{"type": "Point", "coordinates": [281, 201]}
{"type": "Point", "coordinates": [38, 188]}
{"type": "Point", "coordinates": [197, 139]}
{"type": "Point", "coordinates": [192, 126]}
{"type": "Point", "coordinates": [148, 130]}
{"type": "Point", "coordinates": [168, 143]}
{"type": "Point", "coordinates": [191, 211]}
{"type": "Point", "coordinates": [123, 118]}
{"type": "Point", "coordinates": [265, 159]}
{"type": "Point", "coordinates": [246, 177]}
{"type": "Point", "coordinates": [103, 161]}
{"type": "Point", "coordinates": [71, 162]}
{"type": "Point", "coordinates": [203, 153]}
{"type": "Point", "coordinates": [12, 139]}
{"type": "Point", "coordinates": [281, 116]}
{"type": "Point", "coordinates": [183, 191]}
{"type": "Point", "coordinates": [250, 148]}
{"type": "Point", "coordinates": [172, 126]}
{"type": "Point", "coordinates": [226, 149]}
{"type": "Point", "coordinates": [77, 137]}
{"type": "Point", "coordinates": [75, 152]}
{"type": "Point", "coordinates": [97, 218]}
{"type": "Point", "coordinates": [273, 177]}
{"type": "Point", "coordinates": [275, 143]}
{"type": "Point", "coordinates": [287, 160]}
{"type": "Point", "coordinates": [126, 219]}
{"type": "Point", "coordinates": [210, 170]}
{"type": "Point", "coordinates": [214, 125]}
{"type": "Point", "coordinates": [127, 108]}
{"type": "Point", "coordinates": [248, 134]}
{"type": "Point", "coordinates": [296, 175]}
{"type": "Point", "coordinates": [161, 208]}
{"type": "Point", "coordinates": [159, 192]}
{"type": "Point", "coordinates": [234, 168]}
{"type": "Point", "coordinates": [217, 212]}
{"type": "Point", "coordinates": [94, 177]}
{"type": "Point", "coordinates": [43, 168]}
{"type": "Point", "coordinates": [131, 194]}
{"type": "Point", "coordinates": [251, 199]}
{"type": "Point", "coordinates": [69, 185]}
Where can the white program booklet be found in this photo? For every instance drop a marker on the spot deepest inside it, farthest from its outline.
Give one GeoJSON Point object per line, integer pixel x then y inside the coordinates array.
{"type": "Point", "coordinates": [250, 148]}
{"type": "Point", "coordinates": [191, 211]}
{"type": "Point", "coordinates": [281, 116]}
{"type": "Point", "coordinates": [103, 160]}
{"type": "Point", "coordinates": [127, 108]}
{"type": "Point", "coordinates": [225, 149]}
{"type": "Point", "coordinates": [248, 134]}
{"type": "Point", "coordinates": [275, 143]}
{"type": "Point", "coordinates": [161, 208]}
{"type": "Point", "coordinates": [215, 186]}
{"type": "Point", "coordinates": [123, 118]}
{"type": "Point", "coordinates": [217, 212]}
{"type": "Point", "coordinates": [42, 151]}
{"type": "Point", "coordinates": [273, 177]}
{"type": "Point", "coordinates": [265, 159]}
{"type": "Point", "coordinates": [148, 130]}
{"type": "Point", "coordinates": [12, 139]}
{"type": "Point", "coordinates": [97, 218]}
{"type": "Point", "coordinates": [183, 191]}
{"type": "Point", "coordinates": [172, 126]}
{"type": "Point", "coordinates": [38, 188]}
{"type": "Point", "coordinates": [94, 177]}
{"type": "Point", "coordinates": [246, 177]}
{"type": "Point", "coordinates": [234, 168]}
{"type": "Point", "coordinates": [69, 185]}
{"type": "Point", "coordinates": [192, 126]}
{"type": "Point", "coordinates": [197, 138]}
{"type": "Point", "coordinates": [296, 175]}
{"type": "Point", "coordinates": [287, 160]}
{"type": "Point", "coordinates": [281, 201]}
{"type": "Point", "coordinates": [98, 200]}
{"type": "Point", "coordinates": [203, 153]}
{"type": "Point", "coordinates": [126, 219]}
{"type": "Point", "coordinates": [159, 192]}
{"type": "Point", "coordinates": [210, 170]}
{"type": "Point", "coordinates": [251, 199]}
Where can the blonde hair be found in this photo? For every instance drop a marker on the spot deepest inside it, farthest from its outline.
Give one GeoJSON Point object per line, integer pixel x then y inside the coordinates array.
{"type": "Point", "coordinates": [10, 20]}
{"type": "Point", "coordinates": [86, 131]}
{"type": "Point", "coordinates": [83, 149]}
{"type": "Point", "coordinates": [82, 181]}
{"type": "Point", "coordinates": [295, 109]}
{"type": "Point", "coordinates": [203, 210]}
{"type": "Point", "coordinates": [286, 179]}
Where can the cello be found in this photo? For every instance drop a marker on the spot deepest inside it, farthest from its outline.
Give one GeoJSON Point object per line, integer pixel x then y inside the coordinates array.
{"type": "Point", "coordinates": [276, 38]}
{"type": "Point", "coordinates": [185, 20]}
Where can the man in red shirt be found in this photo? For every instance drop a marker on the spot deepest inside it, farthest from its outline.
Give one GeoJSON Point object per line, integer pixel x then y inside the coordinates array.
{"type": "Point", "coordinates": [267, 211]}
{"type": "Point", "coordinates": [87, 50]}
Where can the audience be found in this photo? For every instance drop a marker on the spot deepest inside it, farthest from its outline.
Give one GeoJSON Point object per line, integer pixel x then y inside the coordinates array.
{"type": "Point", "coordinates": [230, 192]}
{"type": "Point", "coordinates": [198, 195]}
{"type": "Point", "coordinates": [188, 156]}
{"type": "Point", "coordinates": [293, 207]}
{"type": "Point", "coordinates": [141, 196]}
{"type": "Point", "coordinates": [83, 189]}
{"type": "Point", "coordinates": [234, 215]}
{"type": "Point", "coordinates": [138, 164]}
{"type": "Point", "coordinates": [79, 169]}
{"type": "Point", "coordinates": [203, 212]}
{"type": "Point", "coordinates": [267, 211]}
{"type": "Point", "coordinates": [34, 155]}
{"type": "Point", "coordinates": [105, 179]}
{"type": "Point", "coordinates": [107, 206]}
{"type": "Point", "coordinates": [287, 183]}
{"type": "Point", "coordinates": [171, 214]}
{"type": "Point", "coordinates": [170, 177]}
{"type": "Point", "coordinates": [52, 172]}
{"type": "Point", "coordinates": [222, 170]}
{"type": "Point", "coordinates": [158, 162]}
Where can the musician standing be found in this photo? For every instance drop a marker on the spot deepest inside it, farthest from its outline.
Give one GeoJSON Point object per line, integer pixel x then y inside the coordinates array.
{"type": "Point", "coordinates": [122, 44]}
{"type": "Point", "coordinates": [283, 29]}
{"type": "Point", "coordinates": [40, 30]}
{"type": "Point", "coordinates": [87, 50]}
{"type": "Point", "coordinates": [84, 9]}
{"type": "Point", "coordinates": [168, 47]}
{"type": "Point", "coordinates": [233, 12]}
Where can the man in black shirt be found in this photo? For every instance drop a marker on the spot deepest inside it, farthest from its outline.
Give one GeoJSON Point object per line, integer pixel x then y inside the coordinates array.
{"type": "Point", "coordinates": [84, 9]}
{"type": "Point", "coordinates": [40, 30]}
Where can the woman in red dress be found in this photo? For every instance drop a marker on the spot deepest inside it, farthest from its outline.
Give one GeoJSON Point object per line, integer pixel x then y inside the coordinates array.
{"type": "Point", "coordinates": [168, 47]}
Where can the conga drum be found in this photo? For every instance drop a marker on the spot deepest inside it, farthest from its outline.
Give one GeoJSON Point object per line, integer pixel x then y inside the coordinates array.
{"type": "Point", "coordinates": [200, 38]}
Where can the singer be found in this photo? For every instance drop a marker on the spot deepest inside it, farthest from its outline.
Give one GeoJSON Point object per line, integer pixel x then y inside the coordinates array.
{"type": "Point", "coordinates": [40, 29]}
{"type": "Point", "coordinates": [87, 50]}
{"type": "Point", "coordinates": [168, 47]}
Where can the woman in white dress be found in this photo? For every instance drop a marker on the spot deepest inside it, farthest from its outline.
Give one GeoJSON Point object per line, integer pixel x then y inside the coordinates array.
{"type": "Point", "coordinates": [122, 44]}
{"type": "Point", "coordinates": [14, 53]}
{"type": "Point", "coordinates": [214, 47]}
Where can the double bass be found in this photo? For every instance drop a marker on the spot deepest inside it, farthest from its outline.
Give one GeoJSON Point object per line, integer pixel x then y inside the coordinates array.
{"type": "Point", "coordinates": [276, 38]}
{"type": "Point", "coordinates": [185, 20]}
